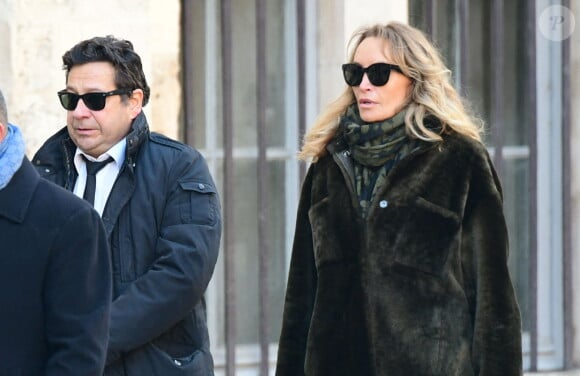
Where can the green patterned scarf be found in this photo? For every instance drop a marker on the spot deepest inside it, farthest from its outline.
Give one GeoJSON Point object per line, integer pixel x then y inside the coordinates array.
{"type": "Point", "coordinates": [375, 148]}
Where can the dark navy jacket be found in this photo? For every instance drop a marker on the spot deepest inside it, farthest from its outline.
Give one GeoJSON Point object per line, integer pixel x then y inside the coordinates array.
{"type": "Point", "coordinates": [55, 278]}
{"type": "Point", "coordinates": [163, 222]}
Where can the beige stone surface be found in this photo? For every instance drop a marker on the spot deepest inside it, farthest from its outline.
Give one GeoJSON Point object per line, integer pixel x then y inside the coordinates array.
{"type": "Point", "coordinates": [367, 12]}
{"type": "Point", "coordinates": [35, 34]}
{"type": "Point", "coordinates": [331, 52]}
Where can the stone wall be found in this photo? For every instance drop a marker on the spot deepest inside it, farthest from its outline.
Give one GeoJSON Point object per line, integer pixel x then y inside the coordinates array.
{"type": "Point", "coordinates": [34, 34]}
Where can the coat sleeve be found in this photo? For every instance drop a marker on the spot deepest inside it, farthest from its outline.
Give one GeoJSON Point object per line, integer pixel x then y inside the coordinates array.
{"type": "Point", "coordinates": [77, 297]}
{"type": "Point", "coordinates": [496, 347]}
{"type": "Point", "coordinates": [300, 293]}
{"type": "Point", "coordinates": [187, 250]}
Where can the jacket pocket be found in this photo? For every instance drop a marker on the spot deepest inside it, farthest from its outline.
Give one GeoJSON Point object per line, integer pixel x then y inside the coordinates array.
{"type": "Point", "coordinates": [326, 239]}
{"type": "Point", "coordinates": [424, 239]}
{"type": "Point", "coordinates": [199, 204]}
{"type": "Point", "coordinates": [153, 361]}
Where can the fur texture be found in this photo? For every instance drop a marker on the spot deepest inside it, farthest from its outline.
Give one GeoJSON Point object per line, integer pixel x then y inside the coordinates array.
{"type": "Point", "coordinates": [420, 288]}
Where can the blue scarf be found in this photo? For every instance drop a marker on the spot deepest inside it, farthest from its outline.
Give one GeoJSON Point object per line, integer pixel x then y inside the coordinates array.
{"type": "Point", "coordinates": [11, 154]}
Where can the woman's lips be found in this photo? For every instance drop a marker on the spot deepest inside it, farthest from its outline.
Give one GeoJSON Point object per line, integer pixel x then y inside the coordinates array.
{"type": "Point", "coordinates": [365, 103]}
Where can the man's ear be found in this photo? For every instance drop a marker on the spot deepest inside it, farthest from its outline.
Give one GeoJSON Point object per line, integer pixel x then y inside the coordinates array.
{"type": "Point", "coordinates": [136, 103]}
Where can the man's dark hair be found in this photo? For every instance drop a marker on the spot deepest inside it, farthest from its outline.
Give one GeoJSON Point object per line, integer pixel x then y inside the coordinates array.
{"type": "Point", "coordinates": [119, 52]}
{"type": "Point", "coordinates": [3, 110]}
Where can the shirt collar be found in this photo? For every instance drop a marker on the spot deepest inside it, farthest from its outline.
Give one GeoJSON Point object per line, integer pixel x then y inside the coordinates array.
{"type": "Point", "coordinates": [117, 152]}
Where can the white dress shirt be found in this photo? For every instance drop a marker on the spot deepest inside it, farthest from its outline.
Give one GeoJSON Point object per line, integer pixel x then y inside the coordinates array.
{"type": "Point", "coordinates": [105, 178]}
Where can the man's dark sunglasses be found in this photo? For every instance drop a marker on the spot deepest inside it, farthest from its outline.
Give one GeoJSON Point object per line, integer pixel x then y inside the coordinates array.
{"type": "Point", "coordinates": [93, 101]}
{"type": "Point", "coordinates": [378, 73]}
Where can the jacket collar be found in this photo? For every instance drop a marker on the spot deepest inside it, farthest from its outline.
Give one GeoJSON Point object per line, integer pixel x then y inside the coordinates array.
{"type": "Point", "coordinates": [137, 135]}
{"type": "Point", "coordinates": [15, 198]}
{"type": "Point", "coordinates": [337, 144]}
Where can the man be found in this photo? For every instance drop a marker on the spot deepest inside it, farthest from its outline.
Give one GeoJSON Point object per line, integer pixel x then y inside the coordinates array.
{"type": "Point", "coordinates": [159, 205]}
{"type": "Point", "coordinates": [55, 271]}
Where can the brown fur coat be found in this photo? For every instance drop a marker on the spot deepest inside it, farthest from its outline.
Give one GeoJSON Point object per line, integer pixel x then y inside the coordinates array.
{"type": "Point", "coordinates": [420, 288]}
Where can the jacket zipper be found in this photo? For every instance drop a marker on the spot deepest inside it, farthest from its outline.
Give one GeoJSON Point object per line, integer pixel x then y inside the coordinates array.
{"type": "Point", "coordinates": [344, 163]}
{"type": "Point", "coordinates": [68, 168]}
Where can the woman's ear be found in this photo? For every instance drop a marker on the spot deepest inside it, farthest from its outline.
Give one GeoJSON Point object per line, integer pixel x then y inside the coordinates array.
{"type": "Point", "coordinates": [135, 103]}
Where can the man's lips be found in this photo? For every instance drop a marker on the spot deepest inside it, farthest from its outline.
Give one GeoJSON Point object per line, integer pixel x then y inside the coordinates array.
{"type": "Point", "coordinates": [84, 130]}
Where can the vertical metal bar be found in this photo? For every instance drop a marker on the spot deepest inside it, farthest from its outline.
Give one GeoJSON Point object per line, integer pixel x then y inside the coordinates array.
{"type": "Point", "coordinates": [463, 20]}
{"type": "Point", "coordinates": [187, 133]}
{"type": "Point", "coordinates": [530, 88]}
{"type": "Point", "coordinates": [497, 86]}
{"type": "Point", "coordinates": [263, 197]}
{"type": "Point", "coordinates": [567, 198]}
{"type": "Point", "coordinates": [301, 56]}
{"type": "Point", "coordinates": [228, 184]}
{"type": "Point", "coordinates": [429, 15]}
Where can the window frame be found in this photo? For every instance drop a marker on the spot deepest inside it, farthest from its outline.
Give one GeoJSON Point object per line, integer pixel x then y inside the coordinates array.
{"type": "Point", "coordinates": [248, 356]}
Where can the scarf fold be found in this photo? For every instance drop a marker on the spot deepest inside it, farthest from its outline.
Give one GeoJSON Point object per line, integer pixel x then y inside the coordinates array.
{"type": "Point", "coordinates": [375, 148]}
{"type": "Point", "coordinates": [12, 150]}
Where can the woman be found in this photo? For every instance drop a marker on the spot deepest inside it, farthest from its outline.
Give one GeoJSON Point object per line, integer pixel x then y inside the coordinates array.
{"type": "Point", "coordinates": [399, 263]}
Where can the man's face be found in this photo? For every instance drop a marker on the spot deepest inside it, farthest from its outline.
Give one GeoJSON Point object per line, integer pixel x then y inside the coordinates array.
{"type": "Point", "coordinates": [95, 132]}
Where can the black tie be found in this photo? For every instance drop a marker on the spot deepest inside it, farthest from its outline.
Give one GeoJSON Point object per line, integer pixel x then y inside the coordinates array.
{"type": "Point", "coordinates": [92, 169]}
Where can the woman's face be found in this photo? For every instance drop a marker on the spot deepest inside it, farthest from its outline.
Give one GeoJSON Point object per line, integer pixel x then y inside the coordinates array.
{"type": "Point", "coordinates": [377, 103]}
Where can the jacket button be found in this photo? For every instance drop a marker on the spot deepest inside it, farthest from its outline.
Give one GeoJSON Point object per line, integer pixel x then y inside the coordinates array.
{"type": "Point", "coordinates": [383, 204]}
{"type": "Point", "coordinates": [201, 186]}
{"type": "Point", "coordinates": [177, 362]}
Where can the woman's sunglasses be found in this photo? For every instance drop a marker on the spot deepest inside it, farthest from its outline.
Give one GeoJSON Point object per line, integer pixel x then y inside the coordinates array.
{"type": "Point", "coordinates": [377, 73]}
{"type": "Point", "coordinates": [93, 101]}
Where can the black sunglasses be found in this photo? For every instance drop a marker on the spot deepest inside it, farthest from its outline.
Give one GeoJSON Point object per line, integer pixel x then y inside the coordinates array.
{"type": "Point", "coordinates": [377, 73]}
{"type": "Point", "coordinates": [93, 101]}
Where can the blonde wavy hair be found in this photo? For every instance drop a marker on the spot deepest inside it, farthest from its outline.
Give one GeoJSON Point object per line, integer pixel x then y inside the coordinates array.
{"type": "Point", "coordinates": [432, 92]}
